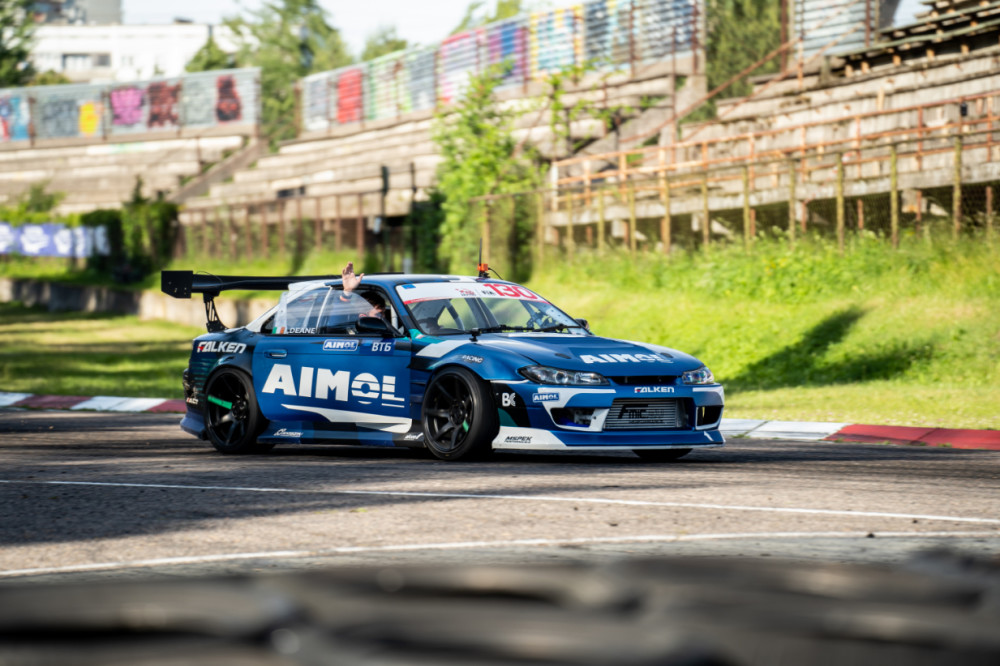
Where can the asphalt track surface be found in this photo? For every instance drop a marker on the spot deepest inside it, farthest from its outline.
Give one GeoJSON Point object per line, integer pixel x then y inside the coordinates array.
{"type": "Point", "coordinates": [93, 496]}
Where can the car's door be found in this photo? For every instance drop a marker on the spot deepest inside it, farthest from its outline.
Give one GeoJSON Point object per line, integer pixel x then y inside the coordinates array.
{"type": "Point", "coordinates": [353, 381]}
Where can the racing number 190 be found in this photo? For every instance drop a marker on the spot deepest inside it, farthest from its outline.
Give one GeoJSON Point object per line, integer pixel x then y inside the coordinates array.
{"type": "Point", "coordinates": [512, 290]}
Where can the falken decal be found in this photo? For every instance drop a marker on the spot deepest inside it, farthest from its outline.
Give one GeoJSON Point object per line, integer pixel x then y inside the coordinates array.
{"type": "Point", "coordinates": [624, 358]}
{"type": "Point", "coordinates": [222, 347]}
{"type": "Point", "coordinates": [654, 389]}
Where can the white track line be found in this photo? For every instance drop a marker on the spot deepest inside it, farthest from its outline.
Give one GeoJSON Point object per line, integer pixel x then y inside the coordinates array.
{"type": "Point", "coordinates": [349, 550]}
{"type": "Point", "coordinates": [527, 498]}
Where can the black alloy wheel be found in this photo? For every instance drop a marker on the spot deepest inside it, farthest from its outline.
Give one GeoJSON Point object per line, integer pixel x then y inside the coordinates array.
{"type": "Point", "coordinates": [232, 418]}
{"type": "Point", "coordinates": [661, 455]}
{"type": "Point", "coordinates": [459, 417]}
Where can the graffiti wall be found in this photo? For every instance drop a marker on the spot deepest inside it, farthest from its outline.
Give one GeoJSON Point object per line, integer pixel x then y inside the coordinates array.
{"type": "Point", "coordinates": [605, 34]}
{"type": "Point", "coordinates": [205, 99]}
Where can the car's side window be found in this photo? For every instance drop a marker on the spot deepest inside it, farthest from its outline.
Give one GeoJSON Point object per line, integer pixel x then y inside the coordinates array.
{"type": "Point", "coordinates": [298, 312]}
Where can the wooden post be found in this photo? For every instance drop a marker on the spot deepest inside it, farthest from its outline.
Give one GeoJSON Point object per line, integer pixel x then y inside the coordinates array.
{"type": "Point", "coordinates": [281, 230]}
{"type": "Point", "coordinates": [600, 222]}
{"type": "Point", "coordinates": [318, 227]}
{"type": "Point", "coordinates": [747, 238]}
{"type": "Point", "coordinates": [894, 196]}
{"type": "Point", "coordinates": [265, 232]}
{"type": "Point", "coordinates": [570, 243]}
{"type": "Point", "coordinates": [249, 231]}
{"type": "Point", "coordinates": [665, 230]}
{"type": "Point", "coordinates": [956, 194]}
{"type": "Point", "coordinates": [791, 202]}
{"type": "Point", "coordinates": [299, 233]}
{"type": "Point", "coordinates": [540, 230]}
{"type": "Point", "coordinates": [706, 232]}
{"type": "Point", "coordinates": [230, 232]}
{"type": "Point", "coordinates": [632, 228]}
{"type": "Point", "coordinates": [861, 214]}
{"type": "Point", "coordinates": [205, 246]}
{"type": "Point", "coordinates": [840, 202]}
{"type": "Point", "coordinates": [338, 237]}
{"type": "Point", "coordinates": [360, 240]}
{"type": "Point", "coordinates": [989, 213]}
{"type": "Point", "coordinates": [485, 230]}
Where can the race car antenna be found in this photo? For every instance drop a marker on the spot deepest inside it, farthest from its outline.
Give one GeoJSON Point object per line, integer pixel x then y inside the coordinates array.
{"type": "Point", "coordinates": [484, 269]}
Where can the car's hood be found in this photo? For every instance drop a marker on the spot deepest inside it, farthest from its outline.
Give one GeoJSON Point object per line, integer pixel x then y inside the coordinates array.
{"type": "Point", "coordinates": [602, 355]}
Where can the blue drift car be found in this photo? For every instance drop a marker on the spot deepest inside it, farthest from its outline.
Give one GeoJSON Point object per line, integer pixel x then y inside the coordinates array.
{"type": "Point", "coordinates": [462, 366]}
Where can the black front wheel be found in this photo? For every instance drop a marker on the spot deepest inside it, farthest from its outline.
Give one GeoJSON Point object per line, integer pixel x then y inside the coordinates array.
{"type": "Point", "coordinates": [232, 418]}
{"type": "Point", "coordinates": [459, 417]}
{"type": "Point", "coordinates": [661, 455]}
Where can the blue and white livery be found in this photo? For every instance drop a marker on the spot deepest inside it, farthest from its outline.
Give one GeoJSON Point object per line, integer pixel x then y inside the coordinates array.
{"type": "Point", "coordinates": [462, 366]}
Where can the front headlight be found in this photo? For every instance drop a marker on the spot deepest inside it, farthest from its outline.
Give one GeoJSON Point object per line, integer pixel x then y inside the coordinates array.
{"type": "Point", "coordinates": [700, 376]}
{"type": "Point", "coordinates": [545, 375]}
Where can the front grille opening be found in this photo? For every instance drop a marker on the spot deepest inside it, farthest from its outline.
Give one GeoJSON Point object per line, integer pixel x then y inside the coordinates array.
{"type": "Point", "coordinates": [709, 415]}
{"type": "Point", "coordinates": [640, 380]}
{"type": "Point", "coordinates": [573, 417]}
{"type": "Point", "coordinates": [631, 414]}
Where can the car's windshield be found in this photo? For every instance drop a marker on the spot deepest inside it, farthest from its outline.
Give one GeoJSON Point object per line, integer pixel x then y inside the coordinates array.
{"type": "Point", "coordinates": [451, 308]}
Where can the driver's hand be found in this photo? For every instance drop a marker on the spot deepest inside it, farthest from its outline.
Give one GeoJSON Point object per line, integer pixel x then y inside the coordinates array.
{"type": "Point", "coordinates": [350, 280]}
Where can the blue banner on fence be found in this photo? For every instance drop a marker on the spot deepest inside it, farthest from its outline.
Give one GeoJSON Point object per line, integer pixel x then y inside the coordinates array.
{"type": "Point", "coordinates": [52, 239]}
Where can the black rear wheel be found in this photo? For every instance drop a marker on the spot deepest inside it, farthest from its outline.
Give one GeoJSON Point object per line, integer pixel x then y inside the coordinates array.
{"type": "Point", "coordinates": [661, 455]}
{"type": "Point", "coordinates": [459, 417]}
{"type": "Point", "coordinates": [232, 418]}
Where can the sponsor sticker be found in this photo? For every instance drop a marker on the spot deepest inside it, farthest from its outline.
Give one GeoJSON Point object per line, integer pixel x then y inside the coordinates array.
{"type": "Point", "coordinates": [287, 433]}
{"type": "Point", "coordinates": [508, 399]}
{"type": "Point", "coordinates": [624, 358]}
{"type": "Point", "coordinates": [517, 439]}
{"type": "Point", "coordinates": [414, 437]}
{"type": "Point", "coordinates": [222, 347]}
{"type": "Point", "coordinates": [382, 346]}
{"type": "Point", "coordinates": [544, 397]}
{"type": "Point", "coordinates": [654, 389]}
{"type": "Point", "coordinates": [469, 358]}
{"type": "Point", "coordinates": [340, 345]}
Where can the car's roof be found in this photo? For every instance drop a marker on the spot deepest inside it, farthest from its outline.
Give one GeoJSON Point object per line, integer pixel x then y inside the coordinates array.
{"type": "Point", "coordinates": [389, 280]}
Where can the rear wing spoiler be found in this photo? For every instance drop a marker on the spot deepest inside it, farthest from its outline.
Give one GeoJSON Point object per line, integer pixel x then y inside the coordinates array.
{"type": "Point", "coordinates": [181, 284]}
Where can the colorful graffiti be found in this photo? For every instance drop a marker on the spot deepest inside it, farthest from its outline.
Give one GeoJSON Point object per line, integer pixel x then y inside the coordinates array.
{"type": "Point", "coordinates": [14, 118]}
{"type": "Point", "coordinates": [163, 104]}
{"type": "Point", "coordinates": [606, 34]}
{"type": "Point", "coordinates": [197, 100]}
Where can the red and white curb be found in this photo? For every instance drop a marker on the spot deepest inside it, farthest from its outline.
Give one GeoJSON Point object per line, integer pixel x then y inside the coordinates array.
{"type": "Point", "coordinates": [101, 403]}
{"type": "Point", "coordinates": [750, 428]}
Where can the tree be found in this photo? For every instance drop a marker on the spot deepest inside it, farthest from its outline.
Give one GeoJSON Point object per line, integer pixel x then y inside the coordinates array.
{"type": "Point", "coordinates": [383, 41]}
{"type": "Point", "coordinates": [210, 57]}
{"type": "Point", "coordinates": [475, 15]}
{"type": "Point", "coordinates": [287, 39]}
{"type": "Point", "coordinates": [16, 34]}
{"type": "Point", "coordinates": [740, 32]}
{"type": "Point", "coordinates": [49, 78]}
{"type": "Point", "coordinates": [480, 157]}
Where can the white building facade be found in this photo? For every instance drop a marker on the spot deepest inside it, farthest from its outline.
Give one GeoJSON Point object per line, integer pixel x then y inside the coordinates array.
{"type": "Point", "coordinates": [107, 53]}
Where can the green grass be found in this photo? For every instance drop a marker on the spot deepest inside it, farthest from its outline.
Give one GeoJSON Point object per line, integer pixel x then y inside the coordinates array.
{"type": "Point", "coordinates": [905, 337]}
{"type": "Point", "coordinates": [74, 354]}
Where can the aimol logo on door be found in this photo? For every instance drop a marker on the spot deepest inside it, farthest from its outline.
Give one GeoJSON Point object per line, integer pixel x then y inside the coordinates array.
{"type": "Point", "coordinates": [325, 384]}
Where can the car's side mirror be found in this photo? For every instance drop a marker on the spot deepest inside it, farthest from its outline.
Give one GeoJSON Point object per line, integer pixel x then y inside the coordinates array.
{"type": "Point", "coordinates": [374, 325]}
{"type": "Point", "coordinates": [584, 323]}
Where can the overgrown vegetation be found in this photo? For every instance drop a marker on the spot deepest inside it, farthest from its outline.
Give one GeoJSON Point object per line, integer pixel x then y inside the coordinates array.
{"type": "Point", "coordinates": [480, 158]}
{"type": "Point", "coordinates": [879, 336]}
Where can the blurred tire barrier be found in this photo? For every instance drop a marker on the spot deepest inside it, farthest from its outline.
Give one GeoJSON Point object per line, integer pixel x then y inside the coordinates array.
{"type": "Point", "coordinates": [939, 608]}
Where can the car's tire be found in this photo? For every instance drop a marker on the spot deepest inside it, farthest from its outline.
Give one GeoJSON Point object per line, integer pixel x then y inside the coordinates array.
{"type": "Point", "coordinates": [458, 415]}
{"type": "Point", "coordinates": [232, 417]}
{"type": "Point", "coordinates": [661, 455]}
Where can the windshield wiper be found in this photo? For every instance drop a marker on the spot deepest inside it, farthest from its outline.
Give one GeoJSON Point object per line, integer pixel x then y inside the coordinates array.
{"type": "Point", "coordinates": [556, 327]}
{"type": "Point", "coordinates": [503, 328]}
